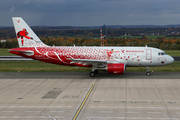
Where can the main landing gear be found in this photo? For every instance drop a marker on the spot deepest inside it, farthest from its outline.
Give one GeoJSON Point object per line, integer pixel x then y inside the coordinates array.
{"type": "Point", "coordinates": [93, 73]}
{"type": "Point", "coordinates": [148, 73]}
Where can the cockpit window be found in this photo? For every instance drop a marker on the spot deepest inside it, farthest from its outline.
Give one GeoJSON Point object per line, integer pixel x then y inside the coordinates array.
{"type": "Point", "coordinates": [162, 53]}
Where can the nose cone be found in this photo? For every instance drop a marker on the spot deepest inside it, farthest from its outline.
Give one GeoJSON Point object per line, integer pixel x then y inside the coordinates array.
{"type": "Point", "coordinates": [170, 60]}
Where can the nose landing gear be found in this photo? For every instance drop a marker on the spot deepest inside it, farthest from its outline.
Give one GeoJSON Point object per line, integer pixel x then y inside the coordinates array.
{"type": "Point", "coordinates": [148, 73]}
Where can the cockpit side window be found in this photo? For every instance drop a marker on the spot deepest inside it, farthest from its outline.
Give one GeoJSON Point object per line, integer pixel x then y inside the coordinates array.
{"type": "Point", "coordinates": [162, 53]}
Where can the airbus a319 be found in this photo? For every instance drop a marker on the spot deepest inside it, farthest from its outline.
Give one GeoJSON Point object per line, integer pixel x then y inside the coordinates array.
{"type": "Point", "coordinates": [112, 59]}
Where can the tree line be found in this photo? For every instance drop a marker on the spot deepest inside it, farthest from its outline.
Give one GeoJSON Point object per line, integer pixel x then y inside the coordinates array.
{"type": "Point", "coordinates": [63, 31]}
{"type": "Point", "coordinates": [160, 42]}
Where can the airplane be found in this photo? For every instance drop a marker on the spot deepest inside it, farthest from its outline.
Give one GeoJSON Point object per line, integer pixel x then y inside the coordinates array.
{"type": "Point", "coordinates": [112, 59]}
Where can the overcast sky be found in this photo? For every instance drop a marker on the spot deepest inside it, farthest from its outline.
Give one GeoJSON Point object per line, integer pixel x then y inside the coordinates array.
{"type": "Point", "coordinates": [90, 12]}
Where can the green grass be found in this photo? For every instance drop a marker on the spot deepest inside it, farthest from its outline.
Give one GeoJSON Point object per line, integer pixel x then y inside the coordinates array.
{"type": "Point", "coordinates": [172, 37]}
{"type": "Point", "coordinates": [174, 67]}
{"type": "Point", "coordinates": [5, 52]}
{"type": "Point", "coordinates": [173, 52]}
{"type": "Point", "coordinates": [37, 66]}
{"type": "Point", "coordinates": [128, 37]}
{"type": "Point", "coordinates": [154, 36]}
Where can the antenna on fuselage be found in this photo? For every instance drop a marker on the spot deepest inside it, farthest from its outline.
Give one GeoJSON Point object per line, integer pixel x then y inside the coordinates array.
{"type": "Point", "coordinates": [145, 45]}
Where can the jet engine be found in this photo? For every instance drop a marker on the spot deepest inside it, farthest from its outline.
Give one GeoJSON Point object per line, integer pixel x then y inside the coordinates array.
{"type": "Point", "coordinates": [115, 68]}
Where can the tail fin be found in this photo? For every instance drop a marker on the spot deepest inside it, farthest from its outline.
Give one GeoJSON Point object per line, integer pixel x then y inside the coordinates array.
{"type": "Point", "coordinates": [26, 37]}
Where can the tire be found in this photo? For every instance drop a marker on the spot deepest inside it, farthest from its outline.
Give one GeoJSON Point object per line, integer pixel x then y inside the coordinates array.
{"type": "Point", "coordinates": [92, 74]}
{"type": "Point", "coordinates": [148, 74]}
{"type": "Point", "coordinates": [96, 71]}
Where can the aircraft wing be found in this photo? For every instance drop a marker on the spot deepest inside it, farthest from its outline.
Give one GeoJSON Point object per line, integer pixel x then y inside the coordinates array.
{"type": "Point", "coordinates": [92, 62]}
{"type": "Point", "coordinates": [87, 60]}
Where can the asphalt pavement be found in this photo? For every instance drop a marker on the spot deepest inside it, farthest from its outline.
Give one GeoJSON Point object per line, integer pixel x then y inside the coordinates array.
{"type": "Point", "coordinates": [85, 75]}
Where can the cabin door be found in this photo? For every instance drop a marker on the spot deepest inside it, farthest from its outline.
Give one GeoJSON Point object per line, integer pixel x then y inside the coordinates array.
{"type": "Point", "coordinates": [148, 54]}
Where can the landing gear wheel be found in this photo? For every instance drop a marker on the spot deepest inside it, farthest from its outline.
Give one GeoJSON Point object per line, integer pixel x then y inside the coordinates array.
{"type": "Point", "coordinates": [92, 74]}
{"type": "Point", "coordinates": [147, 71]}
{"type": "Point", "coordinates": [148, 74]}
{"type": "Point", "coordinates": [96, 71]}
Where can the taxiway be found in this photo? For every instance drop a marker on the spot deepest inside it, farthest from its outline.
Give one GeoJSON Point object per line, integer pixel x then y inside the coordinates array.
{"type": "Point", "coordinates": [51, 96]}
{"type": "Point", "coordinates": [85, 75]}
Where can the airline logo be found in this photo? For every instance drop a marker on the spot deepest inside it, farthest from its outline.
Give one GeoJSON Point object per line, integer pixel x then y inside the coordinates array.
{"type": "Point", "coordinates": [23, 34]}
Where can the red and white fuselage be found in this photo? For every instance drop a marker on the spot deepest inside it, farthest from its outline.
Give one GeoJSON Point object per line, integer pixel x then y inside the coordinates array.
{"type": "Point", "coordinates": [113, 59]}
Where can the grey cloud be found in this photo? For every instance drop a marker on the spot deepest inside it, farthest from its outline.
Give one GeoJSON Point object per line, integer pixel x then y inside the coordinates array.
{"type": "Point", "coordinates": [12, 9]}
{"type": "Point", "coordinates": [91, 12]}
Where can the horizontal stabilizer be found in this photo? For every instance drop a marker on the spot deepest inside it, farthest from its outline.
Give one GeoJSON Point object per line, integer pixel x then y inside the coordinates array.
{"type": "Point", "coordinates": [29, 53]}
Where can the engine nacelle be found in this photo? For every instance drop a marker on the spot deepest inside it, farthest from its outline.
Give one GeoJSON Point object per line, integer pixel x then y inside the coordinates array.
{"type": "Point", "coordinates": [116, 68]}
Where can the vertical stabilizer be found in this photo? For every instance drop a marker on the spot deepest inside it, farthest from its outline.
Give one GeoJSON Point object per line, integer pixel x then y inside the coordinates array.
{"type": "Point", "coordinates": [26, 37]}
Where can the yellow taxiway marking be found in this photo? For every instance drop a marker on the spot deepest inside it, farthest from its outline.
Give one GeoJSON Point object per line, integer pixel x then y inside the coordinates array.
{"type": "Point", "coordinates": [82, 104]}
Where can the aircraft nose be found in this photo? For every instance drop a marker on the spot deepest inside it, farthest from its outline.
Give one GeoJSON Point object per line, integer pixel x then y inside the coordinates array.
{"type": "Point", "coordinates": [170, 60]}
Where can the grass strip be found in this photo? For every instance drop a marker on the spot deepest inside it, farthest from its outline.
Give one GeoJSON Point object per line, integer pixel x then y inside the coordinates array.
{"type": "Point", "coordinates": [37, 66]}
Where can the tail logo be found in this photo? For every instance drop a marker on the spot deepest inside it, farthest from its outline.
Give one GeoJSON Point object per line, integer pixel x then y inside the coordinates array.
{"type": "Point", "coordinates": [23, 34]}
{"type": "Point", "coordinates": [18, 21]}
